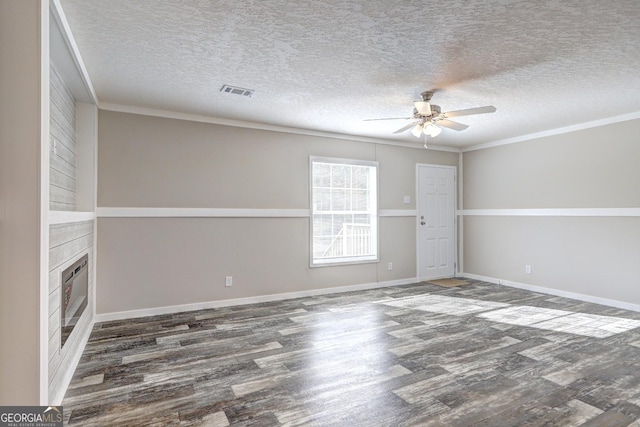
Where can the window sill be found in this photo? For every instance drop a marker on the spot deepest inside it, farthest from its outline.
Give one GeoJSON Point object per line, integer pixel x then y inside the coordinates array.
{"type": "Point", "coordinates": [344, 261]}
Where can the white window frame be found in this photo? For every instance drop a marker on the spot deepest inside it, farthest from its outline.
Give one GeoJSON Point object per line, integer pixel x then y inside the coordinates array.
{"type": "Point", "coordinates": [374, 218]}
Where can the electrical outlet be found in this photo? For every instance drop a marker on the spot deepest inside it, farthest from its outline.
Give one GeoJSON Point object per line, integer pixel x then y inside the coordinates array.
{"type": "Point", "coordinates": [228, 281]}
{"type": "Point", "coordinates": [527, 269]}
{"type": "Point", "coordinates": [390, 266]}
{"type": "Point", "coordinates": [407, 200]}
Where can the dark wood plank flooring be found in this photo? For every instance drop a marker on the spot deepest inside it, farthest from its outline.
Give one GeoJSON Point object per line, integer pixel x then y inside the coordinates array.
{"type": "Point", "coordinates": [478, 354]}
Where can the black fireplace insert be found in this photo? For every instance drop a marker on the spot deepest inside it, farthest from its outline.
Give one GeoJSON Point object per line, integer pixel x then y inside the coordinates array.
{"type": "Point", "coordinates": [74, 296]}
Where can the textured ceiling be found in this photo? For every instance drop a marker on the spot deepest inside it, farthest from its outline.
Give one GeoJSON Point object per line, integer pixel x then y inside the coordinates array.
{"type": "Point", "coordinates": [328, 64]}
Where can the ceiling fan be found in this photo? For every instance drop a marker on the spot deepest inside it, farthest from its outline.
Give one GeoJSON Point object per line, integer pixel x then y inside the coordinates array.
{"type": "Point", "coordinates": [429, 117]}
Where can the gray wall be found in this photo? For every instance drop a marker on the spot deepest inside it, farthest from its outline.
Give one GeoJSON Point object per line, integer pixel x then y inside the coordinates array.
{"type": "Point", "coordinates": [157, 162]}
{"type": "Point", "coordinates": [20, 204]}
{"type": "Point", "coordinates": [62, 166]}
{"type": "Point", "coordinates": [593, 168]}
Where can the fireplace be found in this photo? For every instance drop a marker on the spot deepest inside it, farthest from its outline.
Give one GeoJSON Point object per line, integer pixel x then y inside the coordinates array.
{"type": "Point", "coordinates": [74, 296]}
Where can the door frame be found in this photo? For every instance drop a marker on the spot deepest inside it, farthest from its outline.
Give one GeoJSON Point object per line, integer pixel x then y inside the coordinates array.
{"type": "Point", "coordinates": [455, 215]}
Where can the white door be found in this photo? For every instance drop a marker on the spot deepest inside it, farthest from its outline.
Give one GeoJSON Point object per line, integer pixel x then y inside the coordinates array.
{"type": "Point", "coordinates": [436, 222]}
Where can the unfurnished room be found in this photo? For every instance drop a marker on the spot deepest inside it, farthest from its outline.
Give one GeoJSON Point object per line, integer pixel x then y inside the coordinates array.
{"type": "Point", "coordinates": [320, 213]}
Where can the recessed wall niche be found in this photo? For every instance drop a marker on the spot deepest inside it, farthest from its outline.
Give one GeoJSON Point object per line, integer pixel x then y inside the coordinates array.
{"type": "Point", "coordinates": [72, 202]}
{"type": "Point", "coordinates": [73, 129]}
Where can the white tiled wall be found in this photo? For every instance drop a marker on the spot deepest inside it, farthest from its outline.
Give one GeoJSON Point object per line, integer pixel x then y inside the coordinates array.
{"type": "Point", "coordinates": [67, 243]}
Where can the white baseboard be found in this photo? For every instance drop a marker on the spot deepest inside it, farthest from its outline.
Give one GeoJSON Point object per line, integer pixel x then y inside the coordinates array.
{"type": "Point", "coordinates": [121, 315]}
{"type": "Point", "coordinates": [556, 292]}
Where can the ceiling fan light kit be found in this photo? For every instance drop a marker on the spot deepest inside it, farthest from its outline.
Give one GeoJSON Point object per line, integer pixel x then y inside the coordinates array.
{"type": "Point", "coordinates": [431, 120]}
{"type": "Point", "coordinates": [430, 129]}
{"type": "Point", "coordinates": [417, 130]}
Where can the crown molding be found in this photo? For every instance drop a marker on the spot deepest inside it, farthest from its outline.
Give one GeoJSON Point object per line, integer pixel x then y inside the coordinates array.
{"type": "Point", "coordinates": [145, 111]}
{"type": "Point", "coordinates": [65, 31]}
{"type": "Point", "coordinates": [557, 131]}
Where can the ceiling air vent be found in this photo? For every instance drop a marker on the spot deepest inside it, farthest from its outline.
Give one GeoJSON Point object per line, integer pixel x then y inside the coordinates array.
{"type": "Point", "coordinates": [237, 90]}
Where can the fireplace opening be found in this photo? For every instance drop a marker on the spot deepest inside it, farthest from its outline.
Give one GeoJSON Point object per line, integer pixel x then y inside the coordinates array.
{"type": "Point", "coordinates": [74, 296]}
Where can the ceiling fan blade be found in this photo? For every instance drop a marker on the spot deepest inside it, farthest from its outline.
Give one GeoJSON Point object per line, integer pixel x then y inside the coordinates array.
{"type": "Point", "coordinates": [389, 118]}
{"type": "Point", "coordinates": [452, 125]}
{"type": "Point", "coordinates": [407, 127]}
{"type": "Point", "coordinates": [423, 107]}
{"type": "Point", "coordinates": [470, 111]}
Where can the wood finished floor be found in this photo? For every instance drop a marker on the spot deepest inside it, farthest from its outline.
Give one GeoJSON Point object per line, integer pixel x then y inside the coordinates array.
{"type": "Point", "coordinates": [474, 355]}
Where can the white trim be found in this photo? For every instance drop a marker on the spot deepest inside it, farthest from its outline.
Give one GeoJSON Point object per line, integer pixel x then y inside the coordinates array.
{"type": "Point", "coordinates": [460, 225]}
{"type": "Point", "coordinates": [199, 213]}
{"type": "Point", "coordinates": [557, 292]}
{"type": "Point", "coordinates": [397, 212]}
{"type": "Point", "coordinates": [417, 200]}
{"type": "Point", "coordinates": [121, 315]}
{"type": "Point", "coordinates": [66, 217]}
{"type": "Point", "coordinates": [262, 126]}
{"type": "Point", "coordinates": [43, 309]}
{"type": "Point", "coordinates": [334, 262]}
{"type": "Point", "coordinates": [557, 131]}
{"type": "Point", "coordinates": [58, 217]}
{"type": "Point", "coordinates": [592, 212]}
{"type": "Point", "coordinates": [67, 35]}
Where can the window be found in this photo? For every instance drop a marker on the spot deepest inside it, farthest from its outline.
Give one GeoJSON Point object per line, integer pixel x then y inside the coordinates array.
{"type": "Point", "coordinates": [344, 211]}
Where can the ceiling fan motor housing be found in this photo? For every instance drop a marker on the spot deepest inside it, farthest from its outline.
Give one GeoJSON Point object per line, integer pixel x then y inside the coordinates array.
{"type": "Point", "coordinates": [435, 111]}
{"type": "Point", "coordinates": [426, 95]}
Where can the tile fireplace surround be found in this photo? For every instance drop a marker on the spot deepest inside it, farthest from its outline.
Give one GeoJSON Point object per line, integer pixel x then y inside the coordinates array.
{"type": "Point", "coordinates": [67, 243]}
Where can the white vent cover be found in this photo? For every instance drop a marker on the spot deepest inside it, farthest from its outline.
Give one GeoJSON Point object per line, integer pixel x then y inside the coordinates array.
{"type": "Point", "coordinates": [237, 90]}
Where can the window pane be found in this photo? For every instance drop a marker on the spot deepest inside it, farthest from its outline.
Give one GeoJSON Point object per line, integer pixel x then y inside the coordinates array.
{"type": "Point", "coordinates": [360, 200]}
{"type": "Point", "coordinates": [326, 226]}
{"type": "Point", "coordinates": [362, 219]}
{"type": "Point", "coordinates": [321, 199]}
{"type": "Point", "coordinates": [339, 200]}
{"type": "Point", "coordinates": [339, 176]}
{"type": "Point", "coordinates": [321, 175]}
{"type": "Point", "coordinates": [361, 177]}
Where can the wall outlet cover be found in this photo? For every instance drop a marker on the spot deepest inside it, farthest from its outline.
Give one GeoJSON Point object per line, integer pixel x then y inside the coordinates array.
{"type": "Point", "coordinates": [228, 281]}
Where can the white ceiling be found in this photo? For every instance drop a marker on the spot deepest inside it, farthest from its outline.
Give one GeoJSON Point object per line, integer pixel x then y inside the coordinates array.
{"type": "Point", "coordinates": [328, 64]}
